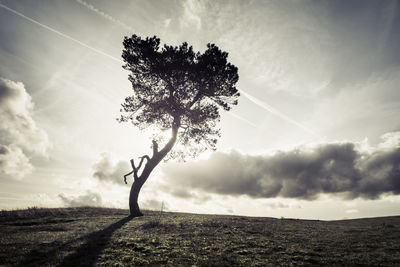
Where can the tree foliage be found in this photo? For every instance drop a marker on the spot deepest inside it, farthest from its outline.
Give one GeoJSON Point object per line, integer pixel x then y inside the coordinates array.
{"type": "Point", "coordinates": [175, 87]}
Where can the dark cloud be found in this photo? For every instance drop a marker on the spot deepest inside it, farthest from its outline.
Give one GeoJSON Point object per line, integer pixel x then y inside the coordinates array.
{"type": "Point", "coordinates": [106, 170]}
{"type": "Point", "coordinates": [187, 194]}
{"type": "Point", "coordinates": [180, 192]}
{"type": "Point", "coordinates": [302, 173]}
{"type": "Point", "coordinates": [20, 137]}
{"type": "Point", "coordinates": [88, 199]}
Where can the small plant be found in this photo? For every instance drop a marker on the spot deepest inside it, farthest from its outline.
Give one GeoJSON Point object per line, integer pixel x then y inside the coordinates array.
{"type": "Point", "coordinates": [162, 207]}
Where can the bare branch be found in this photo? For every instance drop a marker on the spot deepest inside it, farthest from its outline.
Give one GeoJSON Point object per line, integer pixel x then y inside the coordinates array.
{"type": "Point", "coordinates": [155, 148]}
{"type": "Point", "coordinates": [135, 170]}
{"type": "Point", "coordinates": [141, 161]}
{"type": "Point", "coordinates": [126, 176]}
{"type": "Point", "coordinates": [133, 164]}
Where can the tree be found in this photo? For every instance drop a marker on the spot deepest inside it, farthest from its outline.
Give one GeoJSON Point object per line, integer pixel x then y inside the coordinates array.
{"type": "Point", "coordinates": [177, 90]}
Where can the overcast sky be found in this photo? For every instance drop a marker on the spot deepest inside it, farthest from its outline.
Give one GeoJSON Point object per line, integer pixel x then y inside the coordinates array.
{"type": "Point", "coordinates": [316, 133]}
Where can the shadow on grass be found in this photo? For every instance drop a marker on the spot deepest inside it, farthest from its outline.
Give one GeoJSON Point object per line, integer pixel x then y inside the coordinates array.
{"type": "Point", "coordinates": [85, 255]}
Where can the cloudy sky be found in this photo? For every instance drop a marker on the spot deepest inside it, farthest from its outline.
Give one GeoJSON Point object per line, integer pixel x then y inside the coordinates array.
{"type": "Point", "coordinates": [316, 133]}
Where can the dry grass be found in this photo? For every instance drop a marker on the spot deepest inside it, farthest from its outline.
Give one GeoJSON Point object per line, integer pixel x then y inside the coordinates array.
{"type": "Point", "coordinates": [35, 212]}
{"type": "Point", "coordinates": [95, 236]}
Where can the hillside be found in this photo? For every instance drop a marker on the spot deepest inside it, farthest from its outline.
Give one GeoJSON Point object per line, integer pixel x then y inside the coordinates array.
{"type": "Point", "coordinates": [97, 236]}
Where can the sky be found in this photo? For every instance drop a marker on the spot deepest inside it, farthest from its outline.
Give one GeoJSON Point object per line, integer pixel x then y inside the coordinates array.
{"type": "Point", "coordinates": [315, 135]}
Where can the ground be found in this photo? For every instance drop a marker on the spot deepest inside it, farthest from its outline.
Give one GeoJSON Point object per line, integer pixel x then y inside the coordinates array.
{"type": "Point", "coordinates": [97, 236]}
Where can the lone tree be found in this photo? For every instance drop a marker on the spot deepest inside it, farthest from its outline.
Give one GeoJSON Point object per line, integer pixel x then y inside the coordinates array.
{"type": "Point", "coordinates": [177, 90]}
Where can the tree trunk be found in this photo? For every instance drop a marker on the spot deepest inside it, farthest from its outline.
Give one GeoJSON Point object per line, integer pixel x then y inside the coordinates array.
{"type": "Point", "coordinates": [133, 199]}
{"type": "Point", "coordinates": [148, 168]}
{"type": "Point", "coordinates": [135, 190]}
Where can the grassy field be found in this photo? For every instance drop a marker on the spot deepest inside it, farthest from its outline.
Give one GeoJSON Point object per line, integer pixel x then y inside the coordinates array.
{"type": "Point", "coordinates": [97, 236]}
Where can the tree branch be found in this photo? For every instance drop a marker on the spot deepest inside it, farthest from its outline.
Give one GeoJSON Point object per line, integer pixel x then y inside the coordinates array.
{"type": "Point", "coordinates": [141, 161]}
{"type": "Point", "coordinates": [184, 132]}
{"type": "Point", "coordinates": [126, 176]}
{"type": "Point", "coordinates": [155, 148]}
{"type": "Point", "coordinates": [175, 127]}
{"type": "Point", "coordinates": [133, 164]}
{"type": "Point", "coordinates": [135, 170]}
{"type": "Point", "coordinates": [195, 99]}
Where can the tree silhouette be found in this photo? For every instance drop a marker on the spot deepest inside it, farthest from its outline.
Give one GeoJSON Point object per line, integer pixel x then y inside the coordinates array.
{"type": "Point", "coordinates": [177, 90]}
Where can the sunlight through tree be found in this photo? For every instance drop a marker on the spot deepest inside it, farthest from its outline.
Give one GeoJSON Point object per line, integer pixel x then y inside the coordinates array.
{"type": "Point", "coordinates": [176, 90]}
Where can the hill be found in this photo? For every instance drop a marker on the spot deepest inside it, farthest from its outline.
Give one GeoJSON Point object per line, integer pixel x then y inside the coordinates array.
{"type": "Point", "coordinates": [97, 236]}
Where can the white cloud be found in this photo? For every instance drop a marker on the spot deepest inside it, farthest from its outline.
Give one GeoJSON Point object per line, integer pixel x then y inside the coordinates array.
{"type": "Point", "coordinates": [42, 200]}
{"type": "Point", "coordinates": [87, 199]}
{"type": "Point", "coordinates": [17, 124]}
{"type": "Point", "coordinates": [20, 137]}
{"type": "Point", "coordinates": [13, 162]}
{"type": "Point", "coordinates": [191, 14]}
{"type": "Point", "coordinates": [106, 170]}
{"type": "Point", "coordinates": [390, 140]}
{"type": "Point", "coordinates": [279, 204]}
{"type": "Point", "coordinates": [167, 22]}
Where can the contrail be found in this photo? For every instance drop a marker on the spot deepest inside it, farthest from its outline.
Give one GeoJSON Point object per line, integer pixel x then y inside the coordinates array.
{"type": "Point", "coordinates": [276, 112]}
{"type": "Point", "coordinates": [242, 119]}
{"type": "Point", "coordinates": [105, 15]}
{"type": "Point", "coordinates": [61, 34]}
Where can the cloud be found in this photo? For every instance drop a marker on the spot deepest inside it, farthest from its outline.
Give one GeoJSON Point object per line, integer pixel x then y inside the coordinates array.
{"type": "Point", "coordinates": [107, 171]}
{"type": "Point", "coordinates": [302, 173]}
{"type": "Point", "coordinates": [280, 205]}
{"type": "Point", "coordinates": [302, 46]}
{"type": "Point", "coordinates": [20, 137]}
{"type": "Point", "coordinates": [184, 193]}
{"type": "Point", "coordinates": [17, 124]}
{"type": "Point", "coordinates": [167, 22]}
{"type": "Point", "coordinates": [192, 10]}
{"type": "Point", "coordinates": [13, 162]}
{"type": "Point", "coordinates": [88, 199]}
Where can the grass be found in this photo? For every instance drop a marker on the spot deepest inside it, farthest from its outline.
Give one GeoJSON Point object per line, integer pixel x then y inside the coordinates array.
{"type": "Point", "coordinates": [107, 237]}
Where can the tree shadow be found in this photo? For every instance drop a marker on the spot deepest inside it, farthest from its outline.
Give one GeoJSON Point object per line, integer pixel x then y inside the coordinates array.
{"type": "Point", "coordinates": [87, 254]}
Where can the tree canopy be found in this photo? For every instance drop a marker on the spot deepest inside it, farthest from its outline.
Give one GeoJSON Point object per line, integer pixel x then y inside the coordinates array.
{"type": "Point", "coordinates": [173, 86]}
